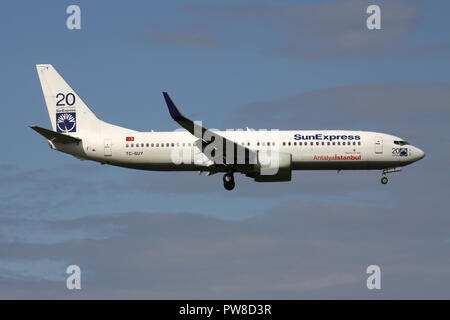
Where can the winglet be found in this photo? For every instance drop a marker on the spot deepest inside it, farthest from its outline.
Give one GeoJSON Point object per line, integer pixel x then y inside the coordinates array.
{"type": "Point", "coordinates": [194, 128]}
{"type": "Point", "coordinates": [198, 131]}
{"type": "Point", "coordinates": [174, 112]}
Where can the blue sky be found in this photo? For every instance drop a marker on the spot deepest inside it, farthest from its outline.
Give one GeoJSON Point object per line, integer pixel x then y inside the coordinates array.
{"type": "Point", "coordinates": [265, 64]}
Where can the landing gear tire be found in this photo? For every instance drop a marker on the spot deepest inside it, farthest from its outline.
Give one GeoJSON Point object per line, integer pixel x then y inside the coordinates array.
{"type": "Point", "coordinates": [229, 186]}
{"type": "Point", "coordinates": [384, 180]}
{"type": "Point", "coordinates": [228, 181]}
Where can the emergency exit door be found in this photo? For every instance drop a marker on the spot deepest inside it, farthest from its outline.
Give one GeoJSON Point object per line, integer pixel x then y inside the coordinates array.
{"type": "Point", "coordinates": [108, 147]}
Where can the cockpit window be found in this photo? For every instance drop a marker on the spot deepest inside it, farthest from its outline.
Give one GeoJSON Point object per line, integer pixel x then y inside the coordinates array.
{"type": "Point", "coordinates": [401, 143]}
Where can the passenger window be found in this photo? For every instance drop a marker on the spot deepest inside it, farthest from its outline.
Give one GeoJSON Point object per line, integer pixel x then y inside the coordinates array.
{"type": "Point", "coordinates": [157, 144]}
{"type": "Point", "coordinates": [323, 143]}
{"type": "Point", "coordinates": [284, 143]}
{"type": "Point", "coordinates": [317, 143]}
{"type": "Point", "coordinates": [338, 143]}
{"type": "Point", "coordinates": [334, 143]}
{"type": "Point", "coordinates": [328, 143]}
{"type": "Point", "coordinates": [147, 145]}
{"type": "Point", "coordinates": [126, 146]}
{"type": "Point", "coordinates": [311, 143]}
{"type": "Point", "coordinates": [359, 143]}
{"type": "Point", "coordinates": [173, 144]}
{"type": "Point", "coordinates": [354, 143]}
{"type": "Point", "coordinates": [289, 143]}
{"type": "Point", "coordinates": [167, 144]}
{"type": "Point", "coordinates": [263, 144]}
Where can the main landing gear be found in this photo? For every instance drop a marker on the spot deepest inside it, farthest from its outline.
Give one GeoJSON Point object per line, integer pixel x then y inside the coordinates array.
{"type": "Point", "coordinates": [228, 180]}
{"type": "Point", "coordinates": [384, 180]}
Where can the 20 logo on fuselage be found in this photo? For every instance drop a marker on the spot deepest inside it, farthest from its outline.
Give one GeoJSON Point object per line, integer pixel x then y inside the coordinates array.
{"type": "Point", "coordinates": [400, 152]}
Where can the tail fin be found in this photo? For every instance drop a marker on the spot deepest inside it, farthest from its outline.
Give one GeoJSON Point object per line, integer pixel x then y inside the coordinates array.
{"type": "Point", "coordinates": [68, 113]}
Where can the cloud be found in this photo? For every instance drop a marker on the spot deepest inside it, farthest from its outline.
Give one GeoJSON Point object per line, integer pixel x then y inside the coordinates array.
{"type": "Point", "coordinates": [325, 30]}
{"type": "Point", "coordinates": [19, 230]}
{"type": "Point", "coordinates": [314, 240]}
{"type": "Point", "coordinates": [295, 251]}
{"type": "Point", "coordinates": [26, 193]}
{"type": "Point", "coordinates": [32, 270]}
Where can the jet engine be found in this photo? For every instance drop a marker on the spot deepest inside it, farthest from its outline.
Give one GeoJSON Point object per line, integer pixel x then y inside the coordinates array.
{"type": "Point", "coordinates": [272, 166]}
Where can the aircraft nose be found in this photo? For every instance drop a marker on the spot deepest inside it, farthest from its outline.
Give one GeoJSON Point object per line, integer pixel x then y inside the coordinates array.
{"type": "Point", "coordinates": [419, 154]}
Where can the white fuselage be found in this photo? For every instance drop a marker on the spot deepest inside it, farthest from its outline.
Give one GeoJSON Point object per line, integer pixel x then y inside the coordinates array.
{"type": "Point", "coordinates": [311, 150]}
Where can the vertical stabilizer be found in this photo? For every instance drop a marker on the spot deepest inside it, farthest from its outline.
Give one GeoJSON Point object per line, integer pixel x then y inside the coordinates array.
{"type": "Point", "coordinates": [68, 113]}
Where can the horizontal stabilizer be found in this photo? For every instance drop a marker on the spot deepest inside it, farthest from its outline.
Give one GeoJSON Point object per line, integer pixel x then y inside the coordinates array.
{"type": "Point", "coordinates": [55, 136]}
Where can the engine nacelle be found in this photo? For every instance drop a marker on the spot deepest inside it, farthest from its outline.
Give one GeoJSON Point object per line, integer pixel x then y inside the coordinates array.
{"type": "Point", "coordinates": [273, 166]}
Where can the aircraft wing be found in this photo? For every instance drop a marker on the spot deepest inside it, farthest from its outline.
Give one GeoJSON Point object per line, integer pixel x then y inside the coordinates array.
{"type": "Point", "coordinates": [229, 158]}
{"type": "Point", "coordinates": [55, 136]}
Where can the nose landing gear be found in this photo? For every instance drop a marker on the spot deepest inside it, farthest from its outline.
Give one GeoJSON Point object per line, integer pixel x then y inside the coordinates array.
{"type": "Point", "coordinates": [228, 181]}
{"type": "Point", "coordinates": [384, 179]}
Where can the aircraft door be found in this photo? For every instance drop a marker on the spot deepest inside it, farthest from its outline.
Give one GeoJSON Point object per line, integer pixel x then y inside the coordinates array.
{"type": "Point", "coordinates": [378, 145]}
{"type": "Point", "coordinates": [108, 147]}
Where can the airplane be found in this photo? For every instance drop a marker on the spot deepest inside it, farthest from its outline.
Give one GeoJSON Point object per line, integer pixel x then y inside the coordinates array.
{"type": "Point", "coordinates": [263, 155]}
